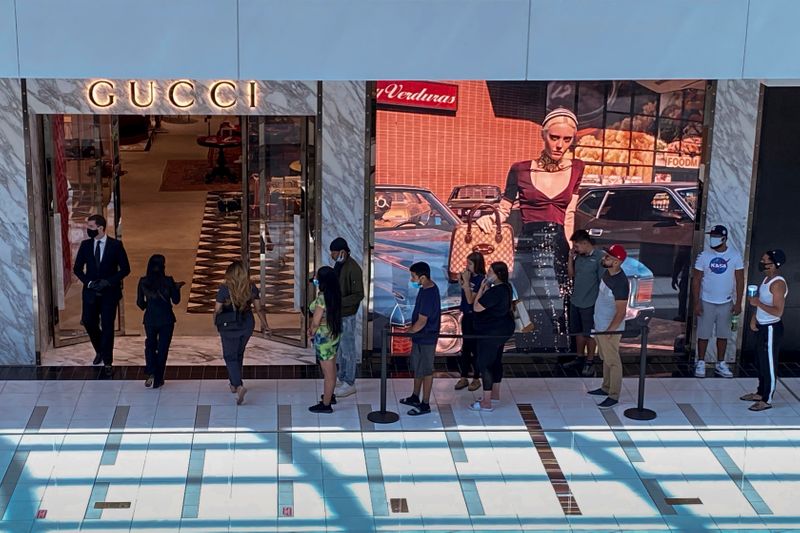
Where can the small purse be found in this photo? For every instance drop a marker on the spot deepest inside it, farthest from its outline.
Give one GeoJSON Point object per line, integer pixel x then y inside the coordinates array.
{"type": "Point", "coordinates": [230, 320]}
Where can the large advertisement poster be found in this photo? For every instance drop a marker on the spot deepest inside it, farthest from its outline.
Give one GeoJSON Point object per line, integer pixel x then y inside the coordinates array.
{"type": "Point", "coordinates": [628, 174]}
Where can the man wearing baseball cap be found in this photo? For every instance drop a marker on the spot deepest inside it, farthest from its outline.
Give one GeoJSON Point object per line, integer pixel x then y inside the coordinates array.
{"type": "Point", "coordinates": [718, 277]}
{"type": "Point", "coordinates": [609, 316]}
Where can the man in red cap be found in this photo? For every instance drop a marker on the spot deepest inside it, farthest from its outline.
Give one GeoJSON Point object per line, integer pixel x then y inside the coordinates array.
{"type": "Point", "coordinates": [609, 316]}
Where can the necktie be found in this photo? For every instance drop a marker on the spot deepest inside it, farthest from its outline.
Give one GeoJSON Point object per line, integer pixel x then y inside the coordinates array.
{"type": "Point", "coordinates": [97, 255]}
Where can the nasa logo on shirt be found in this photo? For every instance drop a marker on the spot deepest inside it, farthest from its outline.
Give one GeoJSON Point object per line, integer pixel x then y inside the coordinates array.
{"type": "Point", "coordinates": [718, 265]}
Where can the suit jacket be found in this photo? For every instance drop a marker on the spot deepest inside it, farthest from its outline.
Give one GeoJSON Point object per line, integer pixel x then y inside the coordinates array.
{"type": "Point", "coordinates": [113, 267]}
{"type": "Point", "coordinates": [158, 309]}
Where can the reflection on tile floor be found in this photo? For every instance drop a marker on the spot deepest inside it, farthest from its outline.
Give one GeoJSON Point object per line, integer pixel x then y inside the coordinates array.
{"type": "Point", "coordinates": [114, 456]}
{"type": "Point", "coordinates": [129, 350]}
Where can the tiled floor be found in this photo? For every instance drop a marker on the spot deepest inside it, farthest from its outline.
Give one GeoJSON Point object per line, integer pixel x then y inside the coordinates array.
{"type": "Point", "coordinates": [114, 456]}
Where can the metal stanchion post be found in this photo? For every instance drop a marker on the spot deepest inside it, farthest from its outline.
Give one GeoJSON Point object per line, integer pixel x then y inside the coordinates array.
{"type": "Point", "coordinates": [383, 416]}
{"type": "Point", "coordinates": [639, 412]}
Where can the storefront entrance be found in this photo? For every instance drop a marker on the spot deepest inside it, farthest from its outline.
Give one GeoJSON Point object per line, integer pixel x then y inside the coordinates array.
{"type": "Point", "coordinates": [202, 191]}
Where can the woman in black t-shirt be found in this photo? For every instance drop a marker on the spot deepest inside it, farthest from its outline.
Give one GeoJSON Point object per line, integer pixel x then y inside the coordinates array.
{"type": "Point", "coordinates": [494, 318]}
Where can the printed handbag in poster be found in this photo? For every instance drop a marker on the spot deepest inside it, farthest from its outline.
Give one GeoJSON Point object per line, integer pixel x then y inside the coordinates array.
{"type": "Point", "coordinates": [496, 245]}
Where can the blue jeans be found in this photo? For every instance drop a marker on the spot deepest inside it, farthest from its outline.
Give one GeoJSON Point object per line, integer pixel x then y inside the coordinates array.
{"type": "Point", "coordinates": [347, 357]}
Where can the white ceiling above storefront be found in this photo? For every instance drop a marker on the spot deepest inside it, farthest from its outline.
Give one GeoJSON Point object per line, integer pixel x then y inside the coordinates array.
{"type": "Point", "coordinates": [400, 39]}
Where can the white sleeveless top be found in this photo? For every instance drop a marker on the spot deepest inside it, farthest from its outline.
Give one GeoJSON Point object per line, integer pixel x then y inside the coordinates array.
{"type": "Point", "coordinates": [765, 295]}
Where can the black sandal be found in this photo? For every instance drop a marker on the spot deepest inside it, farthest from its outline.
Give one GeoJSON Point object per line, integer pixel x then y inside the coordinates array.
{"type": "Point", "coordinates": [421, 409]}
{"type": "Point", "coordinates": [412, 400]}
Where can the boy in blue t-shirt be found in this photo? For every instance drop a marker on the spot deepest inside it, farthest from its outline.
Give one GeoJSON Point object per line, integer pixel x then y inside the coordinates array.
{"type": "Point", "coordinates": [425, 334]}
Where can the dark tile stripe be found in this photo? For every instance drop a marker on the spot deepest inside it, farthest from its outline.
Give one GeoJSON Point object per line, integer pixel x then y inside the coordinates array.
{"type": "Point", "coordinates": [202, 417]}
{"type": "Point", "coordinates": [99, 493]}
{"type": "Point", "coordinates": [11, 478]}
{"type": "Point", "coordinates": [363, 410]}
{"type": "Point", "coordinates": [658, 496]}
{"type": "Point", "coordinates": [551, 466]}
{"type": "Point", "coordinates": [36, 419]}
{"type": "Point", "coordinates": [284, 435]}
{"type": "Point", "coordinates": [377, 489]}
{"type": "Point", "coordinates": [623, 437]}
{"type": "Point", "coordinates": [737, 476]}
{"type": "Point", "coordinates": [472, 498]}
{"type": "Point", "coordinates": [285, 497]}
{"type": "Point", "coordinates": [454, 441]}
{"type": "Point", "coordinates": [114, 438]}
{"type": "Point", "coordinates": [194, 480]}
{"type": "Point", "coordinates": [692, 415]}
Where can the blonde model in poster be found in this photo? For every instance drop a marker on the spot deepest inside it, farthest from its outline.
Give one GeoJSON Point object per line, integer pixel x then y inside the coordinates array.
{"type": "Point", "coordinates": [546, 188]}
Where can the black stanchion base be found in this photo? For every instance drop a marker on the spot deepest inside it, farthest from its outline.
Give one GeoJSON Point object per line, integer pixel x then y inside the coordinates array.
{"type": "Point", "coordinates": [635, 413]}
{"type": "Point", "coordinates": [383, 417]}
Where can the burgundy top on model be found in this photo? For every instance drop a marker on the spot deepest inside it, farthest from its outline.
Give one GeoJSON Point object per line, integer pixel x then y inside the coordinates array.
{"type": "Point", "coordinates": [534, 205]}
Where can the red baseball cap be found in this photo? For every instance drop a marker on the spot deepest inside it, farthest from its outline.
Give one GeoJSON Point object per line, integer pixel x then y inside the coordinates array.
{"type": "Point", "coordinates": [616, 251]}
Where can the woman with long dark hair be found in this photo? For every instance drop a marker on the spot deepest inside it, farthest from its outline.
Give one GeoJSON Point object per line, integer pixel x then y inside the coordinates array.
{"type": "Point", "coordinates": [495, 319]}
{"type": "Point", "coordinates": [155, 295]}
{"type": "Point", "coordinates": [325, 331]}
{"type": "Point", "coordinates": [233, 316]}
{"type": "Point", "coordinates": [470, 282]}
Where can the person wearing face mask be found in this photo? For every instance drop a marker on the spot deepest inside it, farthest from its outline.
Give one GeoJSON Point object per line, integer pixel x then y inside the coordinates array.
{"type": "Point", "coordinates": [718, 278]}
{"type": "Point", "coordinates": [425, 324]}
{"type": "Point", "coordinates": [101, 265]}
{"type": "Point", "coordinates": [351, 283]}
{"type": "Point", "coordinates": [585, 268]}
{"type": "Point", "coordinates": [766, 322]}
{"type": "Point", "coordinates": [609, 316]}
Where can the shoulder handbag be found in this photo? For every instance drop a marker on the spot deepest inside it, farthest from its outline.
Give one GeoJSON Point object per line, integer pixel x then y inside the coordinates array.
{"type": "Point", "coordinates": [229, 319]}
{"type": "Point", "coordinates": [495, 246]}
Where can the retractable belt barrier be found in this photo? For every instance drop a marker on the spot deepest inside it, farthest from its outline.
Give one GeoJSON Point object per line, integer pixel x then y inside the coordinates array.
{"type": "Point", "coordinates": [382, 416]}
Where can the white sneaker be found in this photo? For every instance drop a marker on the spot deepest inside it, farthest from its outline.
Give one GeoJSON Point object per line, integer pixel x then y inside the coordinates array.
{"type": "Point", "coordinates": [345, 390]}
{"type": "Point", "coordinates": [723, 370]}
{"type": "Point", "coordinates": [339, 383]}
{"type": "Point", "coordinates": [700, 369]}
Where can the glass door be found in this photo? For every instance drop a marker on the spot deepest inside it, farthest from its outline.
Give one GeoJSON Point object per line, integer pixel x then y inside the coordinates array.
{"type": "Point", "coordinates": [276, 228]}
{"type": "Point", "coordinates": [82, 172]}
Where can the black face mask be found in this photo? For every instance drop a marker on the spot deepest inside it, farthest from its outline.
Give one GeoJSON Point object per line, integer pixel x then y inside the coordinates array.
{"type": "Point", "coordinates": [92, 233]}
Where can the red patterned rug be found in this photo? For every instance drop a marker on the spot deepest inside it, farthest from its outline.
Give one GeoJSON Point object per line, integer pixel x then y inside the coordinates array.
{"type": "Point", "coordinates": [190, 174]}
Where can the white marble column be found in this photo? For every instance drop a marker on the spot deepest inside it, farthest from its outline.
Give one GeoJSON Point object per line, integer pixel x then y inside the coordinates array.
{"type": "Point", "coordinates": [731, 173]}
{"type": "Point", "coordinates": [343, 169]}
{"type": "Point", "coordinates": [17, 321]}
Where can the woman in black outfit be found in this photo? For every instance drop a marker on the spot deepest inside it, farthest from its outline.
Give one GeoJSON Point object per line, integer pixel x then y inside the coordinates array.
{"type": "Point", "coordinates": [470, 282]}
{"type": "Point", "coordinates": [155, 296]}
{"type": "Point", "coordinates": [494, 318]}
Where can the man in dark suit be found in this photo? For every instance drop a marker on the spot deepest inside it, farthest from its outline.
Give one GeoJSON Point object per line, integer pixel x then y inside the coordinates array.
{"type": "Point", "coordinates": [101, 265]}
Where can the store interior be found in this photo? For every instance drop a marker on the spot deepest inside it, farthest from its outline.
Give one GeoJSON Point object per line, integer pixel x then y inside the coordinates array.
{"type": "Point", "coordinates": [177, 190]}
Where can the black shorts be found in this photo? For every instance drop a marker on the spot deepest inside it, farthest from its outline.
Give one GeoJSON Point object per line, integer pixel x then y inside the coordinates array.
{"type": "Point", "coordinates": [581, 320]}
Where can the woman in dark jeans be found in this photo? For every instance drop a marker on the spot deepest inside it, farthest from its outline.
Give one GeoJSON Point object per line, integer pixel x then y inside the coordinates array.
{"type": "Point", "coordinates": [470, 282]}
{"type": "Point", "coordinates": [493, 318]}
{"type": "Point", "coordinates": [237, 297]}
{"type": "Point", "coordinates": [155, 295]}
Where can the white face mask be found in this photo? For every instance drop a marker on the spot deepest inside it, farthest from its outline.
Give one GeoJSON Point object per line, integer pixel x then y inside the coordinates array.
{"type": "Point", "coordinates": [716, 241]}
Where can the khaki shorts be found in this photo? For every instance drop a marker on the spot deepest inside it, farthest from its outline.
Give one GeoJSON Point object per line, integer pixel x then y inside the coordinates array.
{"type": "Point", "coordinates": [715, 317]}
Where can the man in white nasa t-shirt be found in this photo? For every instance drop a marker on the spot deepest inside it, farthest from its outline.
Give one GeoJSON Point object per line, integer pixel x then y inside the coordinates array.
{"type": "Point", "coordinates": [718, 279]}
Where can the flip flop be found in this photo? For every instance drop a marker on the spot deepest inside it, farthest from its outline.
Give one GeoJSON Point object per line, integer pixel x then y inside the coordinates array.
{"type": "Point", "coordinates": [760, 406]}
{"type": "Point", "coordinates": [751, 397]}
{"type": "Point", "coordinates": [418, 410]}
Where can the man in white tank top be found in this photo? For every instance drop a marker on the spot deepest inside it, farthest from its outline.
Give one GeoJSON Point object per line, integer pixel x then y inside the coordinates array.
{"type": "Point", "coordinates": [766, 322]}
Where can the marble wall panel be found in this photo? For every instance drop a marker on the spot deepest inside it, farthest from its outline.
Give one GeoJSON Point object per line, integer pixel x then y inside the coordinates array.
{"type": "Point", "coordinates": [730, 176]}
{"type": "Point", "coordinates": [47, 96]}
{"type": "Point", "coordinates": [344, 169]}
{"type": "Point", "coordinates": [17, 320]}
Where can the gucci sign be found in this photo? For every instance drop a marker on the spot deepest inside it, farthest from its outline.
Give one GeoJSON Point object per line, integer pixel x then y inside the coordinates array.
{"type": "Point", "coordinates": [181, 94]}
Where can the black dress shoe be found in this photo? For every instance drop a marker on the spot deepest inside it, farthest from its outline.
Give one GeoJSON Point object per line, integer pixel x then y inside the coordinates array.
{"type": "Point", "coordinates": [109, 370]}
{"type": "Point", "coordinates": [97, 359]}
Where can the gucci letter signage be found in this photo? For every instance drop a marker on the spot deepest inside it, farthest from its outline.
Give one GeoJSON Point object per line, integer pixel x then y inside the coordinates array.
{"type": "Point", "coordinates": [180, 94]}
